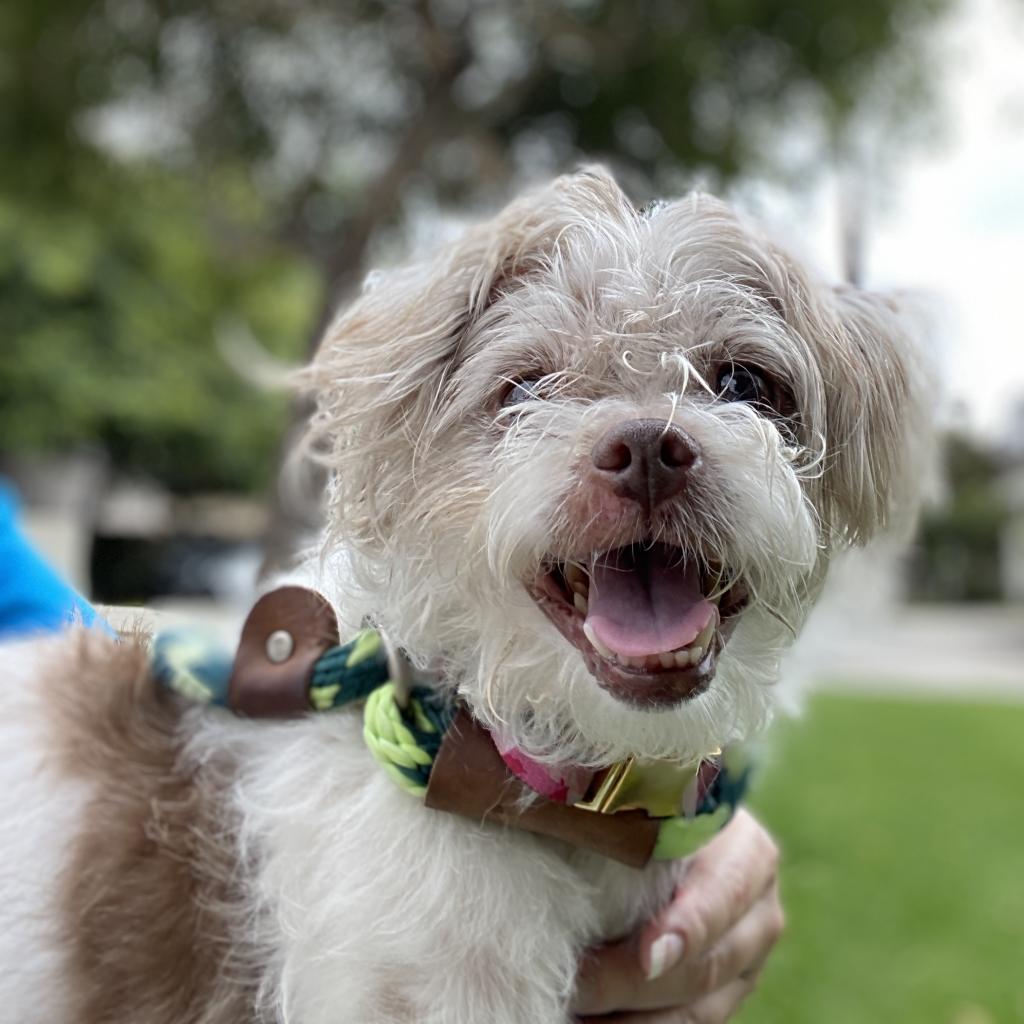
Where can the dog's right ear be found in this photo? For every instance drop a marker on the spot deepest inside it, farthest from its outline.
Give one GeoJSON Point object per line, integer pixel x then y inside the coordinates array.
{"type": "Point", "coordinates": [879, 418]}
{"type": "Point", "coordinates": [383, 363]}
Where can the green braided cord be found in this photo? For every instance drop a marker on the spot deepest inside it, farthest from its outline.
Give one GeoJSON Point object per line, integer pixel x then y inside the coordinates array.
{"type": "Point", "coordinates": [349, 672]}
{"type": "Point", "coordinates": [405, 743]}
{"type": "Point", "coordinates": [193, 664]}
{"type": "Point", "coordinates": [679, 837]}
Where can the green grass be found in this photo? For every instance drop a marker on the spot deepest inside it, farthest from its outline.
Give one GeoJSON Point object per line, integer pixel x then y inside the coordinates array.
{"type": "Point", "coordinates": [902, 828]}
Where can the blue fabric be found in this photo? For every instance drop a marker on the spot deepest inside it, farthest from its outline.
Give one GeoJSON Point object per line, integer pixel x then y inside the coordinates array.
{"type": "Point", "coordinates": [33, 597]}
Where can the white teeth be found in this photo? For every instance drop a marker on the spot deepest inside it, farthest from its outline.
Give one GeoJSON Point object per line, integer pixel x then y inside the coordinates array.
{"type": "Point", "coordinates": [696, 653]}
{"type": "Point", "coordinates": [668, 659]}
{"type": "Point", "coordinates": [588, 631]}
{"type": "Point", "coordinates": [580, 601]}
{"type": "Point", "coordinates": [682, 658]}
{"type": "Point", "coordinates": [703, 639]}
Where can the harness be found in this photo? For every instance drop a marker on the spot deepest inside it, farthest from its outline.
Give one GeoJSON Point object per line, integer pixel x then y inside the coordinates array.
{"type": "Point", "coordinates": [290, 662]}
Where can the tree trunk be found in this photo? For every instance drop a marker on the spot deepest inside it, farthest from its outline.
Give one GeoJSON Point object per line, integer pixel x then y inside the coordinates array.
{"type": "Point", "coordinates": [296, 499]}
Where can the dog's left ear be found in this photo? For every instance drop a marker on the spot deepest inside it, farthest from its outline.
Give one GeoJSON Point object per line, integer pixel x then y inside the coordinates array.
{"type": "Point", "coordinates": [876, 409]}
{"type": "Point", "coordinates": [383, 364]}
{"type": "Point", "coordinates": [397, 338]}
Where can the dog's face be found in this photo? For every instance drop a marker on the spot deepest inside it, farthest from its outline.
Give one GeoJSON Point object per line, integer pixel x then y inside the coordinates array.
{"type": "Point", "coordinates": [596, 459]}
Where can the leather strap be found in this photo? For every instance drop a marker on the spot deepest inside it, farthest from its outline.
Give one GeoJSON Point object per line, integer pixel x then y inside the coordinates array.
{"type": "Point", "coordinates": [470, 778]}
{"type": "Point", "coordinates": [282, 648]}
{"type": "Point", "coordinates": [284, 635]}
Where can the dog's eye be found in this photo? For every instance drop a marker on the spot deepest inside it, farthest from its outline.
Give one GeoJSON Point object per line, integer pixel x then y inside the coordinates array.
{"type": "Point", "coordinates": [525, 390]}
{"type": "Point", "coordinates": [737, 383]}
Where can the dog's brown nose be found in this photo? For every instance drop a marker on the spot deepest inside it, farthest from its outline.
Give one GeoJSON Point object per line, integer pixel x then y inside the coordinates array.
{"type": "Point", "coordinates": [646, 460]}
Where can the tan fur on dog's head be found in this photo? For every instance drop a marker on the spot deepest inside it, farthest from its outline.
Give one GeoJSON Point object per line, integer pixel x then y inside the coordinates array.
{"type": "Point", "coordinates": [460, 400]}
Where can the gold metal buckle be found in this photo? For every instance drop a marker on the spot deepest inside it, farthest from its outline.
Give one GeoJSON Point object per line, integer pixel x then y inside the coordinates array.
{"type": "Point", "coordinates": [604, 801]}
{"type": "Point", "coordinates": [656, 787]}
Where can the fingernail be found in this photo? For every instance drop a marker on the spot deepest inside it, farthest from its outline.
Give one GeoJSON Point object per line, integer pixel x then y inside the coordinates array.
{"type": "Point", "coordinates": [666, 952]}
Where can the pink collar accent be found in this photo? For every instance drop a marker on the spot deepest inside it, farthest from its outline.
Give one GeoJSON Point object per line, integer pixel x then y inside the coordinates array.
{"type": "Point", "coordinates": [562, 783]}
{"type": "Point", "coordinates": [569, 784]}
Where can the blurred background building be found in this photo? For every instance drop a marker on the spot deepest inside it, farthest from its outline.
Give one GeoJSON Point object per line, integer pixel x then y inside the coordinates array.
{"type": "Point", "coordinates": [188, 190]}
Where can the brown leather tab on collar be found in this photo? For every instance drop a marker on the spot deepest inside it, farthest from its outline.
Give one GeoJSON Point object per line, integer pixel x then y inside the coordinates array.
{"type": "Point", "coordinates": [469, 778]}
{"type": "Point", "coordinates": [284, 635]}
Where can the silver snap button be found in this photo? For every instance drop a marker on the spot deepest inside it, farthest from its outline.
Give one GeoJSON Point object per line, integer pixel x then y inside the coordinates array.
{"type": "Point", "coordinates": [280, 645]}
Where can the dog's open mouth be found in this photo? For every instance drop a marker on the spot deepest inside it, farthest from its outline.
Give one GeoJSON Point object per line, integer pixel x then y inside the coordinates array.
{"type": "Point", "coordinates": [649, 622]}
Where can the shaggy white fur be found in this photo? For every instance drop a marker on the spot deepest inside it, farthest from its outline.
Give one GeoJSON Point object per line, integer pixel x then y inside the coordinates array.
{"type": "Point", "coordinates": [374, 908]}
{"type": "Point", "coordinates": [452, 492]}
{"type": "Point", "coordinates": [41, 812]}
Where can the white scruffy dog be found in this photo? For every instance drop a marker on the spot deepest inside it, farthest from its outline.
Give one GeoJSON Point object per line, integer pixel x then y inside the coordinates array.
{"type": "Point", "coordinates": [594, 462]}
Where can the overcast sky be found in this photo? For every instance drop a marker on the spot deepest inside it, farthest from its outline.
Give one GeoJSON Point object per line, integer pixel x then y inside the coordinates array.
{"type": "Point", "coordinates": [950, 223]}
{"type": "Point", "coordinates": [957, 227]}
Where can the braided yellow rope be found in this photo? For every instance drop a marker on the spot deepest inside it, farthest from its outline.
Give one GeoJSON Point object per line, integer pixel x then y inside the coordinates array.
{"type": "Point", "coordinates": [404, 740]}
{"type": "Point", "coordinates": [679, 837]}
{"type": "Point", "coordinates": [391, 739]}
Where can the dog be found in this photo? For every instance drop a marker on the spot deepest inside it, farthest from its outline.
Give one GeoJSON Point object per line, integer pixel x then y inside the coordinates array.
{"type": "Point", "coordinates": [590, 460]}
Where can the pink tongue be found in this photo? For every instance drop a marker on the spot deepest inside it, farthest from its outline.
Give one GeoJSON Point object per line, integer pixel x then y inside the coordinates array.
{"type": "Point", "coordinates": [644, 602]}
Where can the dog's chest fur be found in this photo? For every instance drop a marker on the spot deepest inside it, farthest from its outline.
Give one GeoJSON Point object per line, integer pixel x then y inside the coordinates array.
{"type": "Point", "coordinates": [184, 866]}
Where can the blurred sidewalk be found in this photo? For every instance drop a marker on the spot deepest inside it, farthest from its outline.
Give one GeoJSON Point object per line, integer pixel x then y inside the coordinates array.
{"type": "Point", "coordinates": [956, 650]}
{"type": "Point", "coordinates": [862, 637]}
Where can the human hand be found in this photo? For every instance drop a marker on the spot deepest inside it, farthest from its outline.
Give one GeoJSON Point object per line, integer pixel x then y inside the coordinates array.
{"type": "Point", "coordinates": [702, 955]}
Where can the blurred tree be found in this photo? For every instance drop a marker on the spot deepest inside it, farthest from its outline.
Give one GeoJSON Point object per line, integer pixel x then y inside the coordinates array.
{"type": "Point", "coordinates": [109, 308]}
{"type": "Point", "coordinates": [958, 555]}
{"type": "Point", "coordinates": [171, 163]}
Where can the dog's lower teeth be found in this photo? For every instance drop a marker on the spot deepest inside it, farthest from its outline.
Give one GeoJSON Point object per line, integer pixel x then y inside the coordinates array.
{"type": "Point", "coordinates": [668, 659]}
{"type": "Point", "coordinates": [580, 602]}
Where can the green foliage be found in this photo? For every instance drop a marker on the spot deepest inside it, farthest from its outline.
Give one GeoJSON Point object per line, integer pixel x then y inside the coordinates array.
{"type": "Point", "coordinates": [707, 85]}
{"type": "Point", "coordinates": [958, 555]}
{"type": "Point", "coordinates": [111, 302]}
{"type": "Point", "coordinates": [170, 166]}
{"type": "Point", "coordinates": [901, 864]}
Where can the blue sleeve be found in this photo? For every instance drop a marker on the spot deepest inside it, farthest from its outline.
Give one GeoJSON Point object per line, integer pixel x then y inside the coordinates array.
{"type": "Point", "coordinates": [33, 597]}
